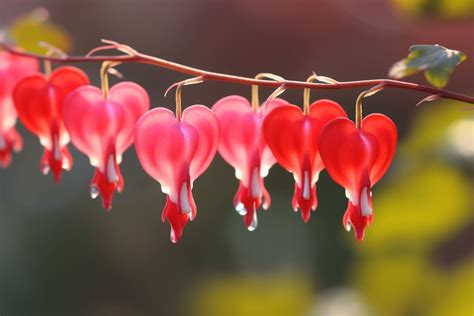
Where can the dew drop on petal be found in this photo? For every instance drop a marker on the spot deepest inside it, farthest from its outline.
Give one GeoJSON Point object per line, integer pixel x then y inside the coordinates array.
{"type": "Point", "coordinates": [94, 192]}
{"type": "Point", "coordinates": [253, 226]}
{"type": "Point", "coordinates": [45, 169]}
{"type": "Point", "coordinates": [240, 208]}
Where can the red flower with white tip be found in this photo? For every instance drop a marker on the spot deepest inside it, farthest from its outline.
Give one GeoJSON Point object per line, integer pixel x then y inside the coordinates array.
{"type": "Point", "coordinates": [293, 138]}
{"type": "Point", "coordinates": [243, 146]}
{"type": "Point", "coordinates": [175, 151]}
{"type": "Point", "coordinates": [356, 159]}
{"type": "Point", "coordinates": [101, 126]}
{"type": "Point", "coordinates": [39, 101]}
{"type": "Point", "coordinates": [12, 69]}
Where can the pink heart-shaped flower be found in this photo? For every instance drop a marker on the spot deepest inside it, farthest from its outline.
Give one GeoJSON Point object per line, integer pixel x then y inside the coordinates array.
{"type": "Point", "coordinates": [174, 153]}
{"type": "Point", "coordinates": [102, 128]}
{"type": "Point", "coordinates": [12, 69]}
{"type": "Point", "coordinates": [243, 146]}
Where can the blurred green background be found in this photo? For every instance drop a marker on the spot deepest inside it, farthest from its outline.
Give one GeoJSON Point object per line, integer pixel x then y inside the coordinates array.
{"type": "Point", "coordinates": [61, 254]}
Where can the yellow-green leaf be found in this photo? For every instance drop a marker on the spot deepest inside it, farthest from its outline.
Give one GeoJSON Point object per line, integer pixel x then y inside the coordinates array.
{"type": "Point", "coordinates": [27, 31]}
{"type": "Point", "coordinates": [437, 62]}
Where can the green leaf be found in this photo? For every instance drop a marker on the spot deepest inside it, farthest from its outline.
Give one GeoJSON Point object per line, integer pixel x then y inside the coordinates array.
{"type": "Point", "coordinates": [27, 31]}
{"type": "Point", "coordinates": [436, 61]}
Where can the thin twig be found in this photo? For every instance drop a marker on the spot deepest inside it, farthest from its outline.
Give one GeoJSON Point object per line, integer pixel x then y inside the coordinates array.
{"type": "Point", "coordinates": [138, 57]}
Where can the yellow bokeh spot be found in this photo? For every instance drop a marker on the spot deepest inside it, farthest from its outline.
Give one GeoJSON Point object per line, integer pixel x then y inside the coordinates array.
{"type": "Point", "coordinates": [277, 294]}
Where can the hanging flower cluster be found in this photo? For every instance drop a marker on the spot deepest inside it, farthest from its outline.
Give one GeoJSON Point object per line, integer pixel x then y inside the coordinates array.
{"type": "Point", "coordinates": [176, 148]}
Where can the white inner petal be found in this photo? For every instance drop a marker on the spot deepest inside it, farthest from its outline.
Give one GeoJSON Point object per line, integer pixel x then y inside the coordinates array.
{"type": "Point", "coordinates": [255, 184]}
{"type": "Point", "coordinates": [306, 186]}
{"type": "Point", "coordinates": [354, 202]}
{"type": "Point", "coordinates": [56, 152]}
{"type": "Point", "coordinates": [3, 143]}
{"type": "Point", "coordinates": [183, 199]}
{"type": "Point", "coordinates": [111, 172]}
{"type": "Point", "coordinates": [238, 174]}
{"type": "Point", "coordinates": [366, 210]}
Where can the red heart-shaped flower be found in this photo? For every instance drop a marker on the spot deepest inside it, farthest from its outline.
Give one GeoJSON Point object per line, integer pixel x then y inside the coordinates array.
{"type": "Point", "coordinates": [175, 153]}
{"type": "Point", "coordinates": [243, 146]}
{"type": "Point", "coordinates": [293, 138]}
{"type": "Point", "coordinates": [356, 159]}
{"type": "Point", "coordinates": [12, 69]}
{"type": "Point", "coordinates": [39, 102]}
{"type": "Point", "coordinates": [102, 128]}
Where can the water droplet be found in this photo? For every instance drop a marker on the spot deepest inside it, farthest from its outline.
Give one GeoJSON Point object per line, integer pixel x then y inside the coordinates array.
{"type": "Point", "coordinates": [240, 208]}
{"type": "Point", "coordinates": [45, 169]}
{"type": "Point", "coordinates": [253, 226]}
{"type": "Point", "coordinates": [94, 192]}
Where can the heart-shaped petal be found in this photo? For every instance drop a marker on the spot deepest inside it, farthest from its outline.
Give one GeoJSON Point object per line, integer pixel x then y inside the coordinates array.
{"type": "Point", "coordinates": [385, 131]}
{"type": "Point", "coordinates": [243, 146]}
{"type": "Point", "coordinates": [102, 128]}
{"type": "Point", "coordinates": [293, 138]}
{"type": "Point", "coordinates": [356, 159]}
{"type": "Point", "coordinates": [175, 153]}
{"type": "Point", "coordinates": [39, 101]}
{"type": "Point", "coordinates": [12, 69]}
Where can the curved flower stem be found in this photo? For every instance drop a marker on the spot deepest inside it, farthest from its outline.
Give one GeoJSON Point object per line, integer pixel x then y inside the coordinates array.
{"type": "Point", "coordinates": [179, 88]}
{"type": "Point", "coordinates": [104, 76]}
{"type": "Point", "coordinates": [364, 94]}
{"type": "Point", "coordinates": [306, 94]}
{"type": "Point", "coordinates": [133, 56]}
{"type": "Point", "coordinates": [255, 99]}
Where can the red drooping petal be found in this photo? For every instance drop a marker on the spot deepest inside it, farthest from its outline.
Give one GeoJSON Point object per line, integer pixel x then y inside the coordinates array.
{"type": "Point", "coordinates": [243, 146]}
{"type": "Point", "coordinates": [105, 185]}
{"type": "Point", "coordinates": [175, 153]}
{"type": "Point", "coordinates": [39, 102]}
{"type": "Point", "coordinates": [293, 138]}
{"type": "Point", "coordinates": [385, 131]}
{"type": "Point", "coordinates": [10, 140]}
{"type": "Point", "coordinates": [102, 128]}
{"type": "Point", "coordinates": [354, 219]}
{"type": "Point", "coordinates": [12, 69]}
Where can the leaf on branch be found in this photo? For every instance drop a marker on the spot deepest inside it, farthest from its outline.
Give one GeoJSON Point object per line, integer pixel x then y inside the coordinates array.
{"type": "Point", "coordinates": [27, 31]}
{"type": "Point", "coordinates": [436, 61]}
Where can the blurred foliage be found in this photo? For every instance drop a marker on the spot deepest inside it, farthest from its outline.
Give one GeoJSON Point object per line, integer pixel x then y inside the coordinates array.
{"type": "Point", "coordinates": [440, 8]}
{"type": "Point", "coordinates": [437, 63]}
{"type": "Point", "coordinates": [278, 294]}
{"type": "Point", "coordinates": [426, 203]}
{"type": "Point", "coordinates": [28, 30]}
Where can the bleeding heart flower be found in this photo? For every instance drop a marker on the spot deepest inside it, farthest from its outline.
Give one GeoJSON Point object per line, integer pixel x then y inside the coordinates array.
{"type": "Point", "coordinates": [102, 128]}
{"type": "Point", "coordinates": [175, 152]}
{"type": "Point", "coordinates": [356, 159]}
{"type": "Point", "coordinates": [293, 138]}
{"type": "Point", "coordinates": [39, 101]}
{"type": "Point", "coordinates": [12, 69]}
{"type": "Point", "coordinates": [243, 146]}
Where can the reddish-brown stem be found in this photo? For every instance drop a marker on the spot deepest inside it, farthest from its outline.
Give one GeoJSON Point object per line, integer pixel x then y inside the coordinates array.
{"type": "Point", "coordinates": [215, 76]}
